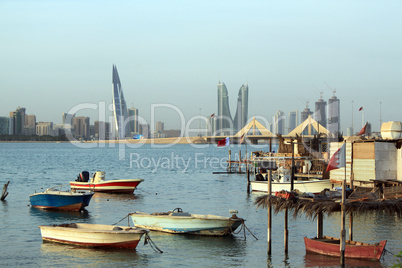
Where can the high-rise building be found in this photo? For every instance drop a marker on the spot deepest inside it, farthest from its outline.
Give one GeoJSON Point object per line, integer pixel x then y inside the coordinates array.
{"type": "Point", "coordinates": [121, 127]}
{"type": "Point", "coordinates": [241, 116]}
{"type": "Point", "coordinates": [67, 118]}
{"type": "Point", "coordinates": [133, 114]}
{"type": "Point", "coordinates": [4, 125]}
{"type": "Point", "coordinates": [320, 114]}
{"type": "Point", "coordinates": [30, 124]}
{"type": "Point", "coordinates": [334, 124]}
{"type": "Point", "coordinates": [81, 127]}
{"type": "Point", "coordinates": [224, 121]}
{"type": "Point", "coordinates": [102, 130]}
{"type": "Point", "coordinates": [293, 120]}
{"type": "Point", "coordinates": [159, 126]}
{"type": "Point", "coordinates": [44, 128]}
{"type": "Point", "coordinates": [17, 121]}
{"type": "Point", "coordinates": [279, 122]}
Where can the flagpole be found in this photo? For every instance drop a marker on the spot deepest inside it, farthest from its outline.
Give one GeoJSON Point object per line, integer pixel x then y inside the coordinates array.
{"type": "Point", "coordinates": [352, 120]}
{"type": "Point", "coordinates": [363, 116]}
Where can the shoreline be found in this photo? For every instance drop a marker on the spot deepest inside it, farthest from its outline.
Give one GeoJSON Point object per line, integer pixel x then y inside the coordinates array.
{"type": "Point", "coordinates": [175, 140]}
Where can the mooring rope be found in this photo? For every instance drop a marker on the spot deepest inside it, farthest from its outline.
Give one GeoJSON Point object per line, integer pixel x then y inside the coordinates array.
{"type": "Point", "coordinates": [147, 237]}
{"type": "Point", "coordinates": [151, 243]}
{"type": "Point", "coordinates": [128, 220]}
{"type": "Point", "coordinates": [243, 228]}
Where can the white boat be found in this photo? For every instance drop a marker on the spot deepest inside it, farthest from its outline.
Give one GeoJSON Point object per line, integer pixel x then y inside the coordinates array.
{"type": "Point", "coordinates": [180, 222]}
{"type": "Point", "coordinates": [93, 235]}
{"type": "Point", "coordinates": [281, 180]}
{"type": "Point", "coordinates": [98, 183]}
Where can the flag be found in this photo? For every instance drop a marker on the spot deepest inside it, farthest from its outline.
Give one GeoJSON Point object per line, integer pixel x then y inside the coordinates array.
{"type": "Point", "coordinates": [223, 142]}
{"type": "Point", "coordinates": [363, 130]}
{"type": "Point", "coordinates": [338, 159]}
{"type": "Point", "coordinates": [361, 108]}
{"type": "Point", "coordinates": [212, 115]}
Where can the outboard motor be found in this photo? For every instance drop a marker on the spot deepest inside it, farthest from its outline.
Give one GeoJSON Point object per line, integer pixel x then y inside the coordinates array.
{"type": "Point", "coordinates": [83, 177]}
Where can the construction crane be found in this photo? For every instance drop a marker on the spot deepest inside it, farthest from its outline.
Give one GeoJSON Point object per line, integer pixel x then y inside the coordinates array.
{"type": "Point", "coordinates": [333, 90]}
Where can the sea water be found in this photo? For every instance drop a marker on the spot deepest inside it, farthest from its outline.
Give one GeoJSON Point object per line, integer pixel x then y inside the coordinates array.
{"type": "Point", "coordinates": [174, 176]}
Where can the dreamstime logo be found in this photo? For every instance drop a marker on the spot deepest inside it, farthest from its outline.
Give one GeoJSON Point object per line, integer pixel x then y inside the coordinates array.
{"type": "Point", "coordinates": [74, 127]}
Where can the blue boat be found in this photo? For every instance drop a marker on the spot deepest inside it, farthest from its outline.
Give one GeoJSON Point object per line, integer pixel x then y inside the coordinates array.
{"type": "Point", "coordinates": [179, 222]}
{"type": "Point", "coordinates": [56, 199]}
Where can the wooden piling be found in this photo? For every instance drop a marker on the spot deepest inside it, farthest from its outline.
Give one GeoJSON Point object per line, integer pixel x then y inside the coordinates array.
{"type": "Point", "coordinates": [4, 193]}
{"type": "Point", "coordinates": [320, 228]}
{"type": "Point", "coordinates": [230, 162]}
{"type": "Point", "coordinates": [286, 231]}
{"type": "Point", "coordinates": [248, 180]}
{"type": "Point", "coordinates": [240, 161]}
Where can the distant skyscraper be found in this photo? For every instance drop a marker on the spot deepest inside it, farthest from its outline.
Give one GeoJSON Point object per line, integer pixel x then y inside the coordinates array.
{"type": "Point", "coordinates": [4, 125]}
{"type": "Point", "coordinates": [224, 121]}
{"type": "Point", "coordinates": [293, 120]}
{"type": "Point", "coordinates": [44, 129]}
{"type": "Point", "coordinates": [320, 114]}
{"type": "Point", "coordinates": [279, 122]}
{"type": "Point", "coordinates": [67, 118]}
{"type": "Point", "coordinates": [159, 126]}
{"type": "Point", "coordinates": [334, 105]}
{"type": "Point", "coordinates": [241, 116]}
{"type": "Point", "coordinates": [120, 112]}
{"type": "Point", "coordinates": [102, 130]}
{"type": "Point", "coordinates": [133, 114]}
{"type": "Point", "coordinates": [30, 124]}
{"type": "Point", "coordinates": [81, 127]}
{"type": "Point", "coordinates": [17, 121]}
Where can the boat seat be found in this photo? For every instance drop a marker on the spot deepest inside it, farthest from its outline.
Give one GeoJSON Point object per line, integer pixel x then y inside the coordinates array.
{"type": "Point", "coordinates": [183, 214]}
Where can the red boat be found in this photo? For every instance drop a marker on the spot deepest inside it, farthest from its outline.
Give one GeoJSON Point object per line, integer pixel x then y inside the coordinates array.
{"type": "Point", "coordinates": [331, 247]}
{"type": "Point", "coordinates": [98, 183]}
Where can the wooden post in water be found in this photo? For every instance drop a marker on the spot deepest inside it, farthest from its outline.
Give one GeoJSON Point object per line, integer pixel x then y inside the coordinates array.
{"type": "Point", "coordinates": [230, 164]}
{"type": "Point", "coordinates": [292, 174]}
{"type": "Point", "coordinates": [248, 180]}
{"type": "Point", "coordinates": [343, 231]}
{"type": "Point", "coordinates": [4, 193]}
{"type": "Point", "coordinates": [352, 188]}
{"type": "Point", "coordinates": [239, 161]}
{"type": "Point", "coordinates": [320, 228]}
{"type": "Point", "coordinates": [286, 231]}
{"type": "Point", "coordinates": [269, 212]}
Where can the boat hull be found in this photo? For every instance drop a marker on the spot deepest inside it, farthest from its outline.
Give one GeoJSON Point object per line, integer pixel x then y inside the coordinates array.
{"type": "Point", "coordinates": [312, 186]}
{"type": "Point", "coordinates": [93, 235]}
{"type": "Point", "coordinates": [55, 200]}
{"type": "Point", "coordinates": [208, 225]}
{"type": "Point", "coordinates": [112, 186]}
{"type": "Point", "coordinates": [330, 246]}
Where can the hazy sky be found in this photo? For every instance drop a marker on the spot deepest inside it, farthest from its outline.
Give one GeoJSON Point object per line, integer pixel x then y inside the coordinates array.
{"type": "Point", "coordinates": [57, 55]}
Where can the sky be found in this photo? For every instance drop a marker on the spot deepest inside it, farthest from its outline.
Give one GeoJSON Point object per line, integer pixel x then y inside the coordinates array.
{"type": "Point", "coordinates": [57, 56]}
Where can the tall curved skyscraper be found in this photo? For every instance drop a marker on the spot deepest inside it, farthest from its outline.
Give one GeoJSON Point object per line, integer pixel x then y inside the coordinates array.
{"type": "Point", "coordinates": [241, 116]}
{"type": "Point", "coordinates": [120, 112]}
{"type": "Point", "coordinates": [224, 121]}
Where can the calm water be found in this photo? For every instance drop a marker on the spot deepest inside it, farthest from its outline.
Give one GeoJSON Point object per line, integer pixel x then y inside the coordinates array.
{"type": "Point", "coordinates": [182, 178]}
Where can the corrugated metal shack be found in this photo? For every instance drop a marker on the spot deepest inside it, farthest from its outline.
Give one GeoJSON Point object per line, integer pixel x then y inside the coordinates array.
{"type": "Point", "coordinates": [369, 162]}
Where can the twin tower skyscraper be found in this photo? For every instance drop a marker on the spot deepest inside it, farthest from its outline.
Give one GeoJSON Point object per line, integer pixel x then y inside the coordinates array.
{"type": "Point", "coordinates": [222, 123]}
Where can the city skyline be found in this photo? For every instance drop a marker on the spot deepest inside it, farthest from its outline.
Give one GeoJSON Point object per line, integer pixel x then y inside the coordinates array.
{"type": "Point", "coordinates": [176, 52]}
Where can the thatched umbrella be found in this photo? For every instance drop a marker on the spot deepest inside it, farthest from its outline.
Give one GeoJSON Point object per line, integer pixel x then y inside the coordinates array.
{"type": "Point", "coordinates": [314, 206]}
